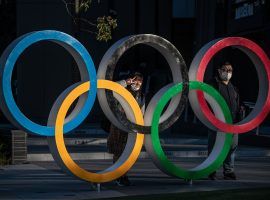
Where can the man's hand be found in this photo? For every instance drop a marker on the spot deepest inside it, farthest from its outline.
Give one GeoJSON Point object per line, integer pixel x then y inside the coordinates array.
{"type": "Point", "coordinates": [129, 81]}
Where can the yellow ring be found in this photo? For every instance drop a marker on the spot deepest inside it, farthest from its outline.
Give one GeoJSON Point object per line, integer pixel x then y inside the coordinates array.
{"type": "Point", "coordinates": [59, 137]}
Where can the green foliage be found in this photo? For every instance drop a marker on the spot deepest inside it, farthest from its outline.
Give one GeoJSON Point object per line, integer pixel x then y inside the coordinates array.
{"type": "Point", "coordinates": [102, 29]}
{"type": "Point", "coordinates": [105, 25]}
{"type": "Point", "coordinates": [85, 5]}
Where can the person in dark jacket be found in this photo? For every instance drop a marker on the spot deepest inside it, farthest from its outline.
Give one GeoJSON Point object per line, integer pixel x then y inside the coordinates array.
{"type": "Point", "coordinates": [117, 138]}
{"type": "Point", "coordinates": [223, 84]}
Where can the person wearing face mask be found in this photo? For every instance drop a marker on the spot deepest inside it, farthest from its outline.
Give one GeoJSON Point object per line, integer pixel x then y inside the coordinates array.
{"type": "Point", "coordinates": [222, 83]}
{"type": "Point", "coordinates": [117, 138]}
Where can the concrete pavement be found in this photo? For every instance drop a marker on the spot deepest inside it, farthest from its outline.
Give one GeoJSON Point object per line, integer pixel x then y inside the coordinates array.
{"type": "Point", "coordinates": [44, 180]}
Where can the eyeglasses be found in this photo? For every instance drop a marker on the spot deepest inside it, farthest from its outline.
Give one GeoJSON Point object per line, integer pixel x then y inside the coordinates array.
{"type": "Point", "coordinates": [227, 70]}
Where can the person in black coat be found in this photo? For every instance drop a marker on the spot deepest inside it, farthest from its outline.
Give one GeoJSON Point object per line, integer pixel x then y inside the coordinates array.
{"type": "Point", "coordinates": [222, 83]}
{"type": "Point", "coordinates": [117, 138]}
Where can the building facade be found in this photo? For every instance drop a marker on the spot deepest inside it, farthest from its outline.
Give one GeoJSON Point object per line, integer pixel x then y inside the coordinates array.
{"type": "Point", "coordinates": [45, 70]}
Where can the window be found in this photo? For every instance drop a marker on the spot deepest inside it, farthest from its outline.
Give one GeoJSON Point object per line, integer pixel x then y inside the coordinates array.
{"type": "Point", "coordinates": [183, 8]}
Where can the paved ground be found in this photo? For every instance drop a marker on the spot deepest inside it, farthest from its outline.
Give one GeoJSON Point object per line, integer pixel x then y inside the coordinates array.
{"type": "Point", "coordinates": [44, 180]}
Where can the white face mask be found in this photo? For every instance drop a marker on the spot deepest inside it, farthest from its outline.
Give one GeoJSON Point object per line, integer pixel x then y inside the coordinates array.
{"type": "Point", "coordinates": [134, 87]}
{"type": "Point", "coordinates": [225, 76]}
{"type": "Point", "coordinates": [229, 76]}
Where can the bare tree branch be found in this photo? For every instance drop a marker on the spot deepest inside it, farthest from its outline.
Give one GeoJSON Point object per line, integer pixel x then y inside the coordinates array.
{"type": "Point", "coordinates": [88, 31]}
{"type": "Point", "coordinates": [75, 19]}
{"type": "Point", "coordinates": [103, 27]}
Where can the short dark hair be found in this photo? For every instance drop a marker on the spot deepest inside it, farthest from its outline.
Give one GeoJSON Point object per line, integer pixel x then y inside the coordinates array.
{"type": "Point", "coordinates": [225, 64]}
{"type": "Point", "coordinates": [138, 74]}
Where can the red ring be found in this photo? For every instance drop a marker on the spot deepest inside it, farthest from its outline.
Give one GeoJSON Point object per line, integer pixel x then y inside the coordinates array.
{"type": "Point", "coordinates": [226, 42]}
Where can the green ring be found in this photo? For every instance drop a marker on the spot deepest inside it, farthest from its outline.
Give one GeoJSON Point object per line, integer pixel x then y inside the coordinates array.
{"type": "Point", "coordinates": [170, 167]}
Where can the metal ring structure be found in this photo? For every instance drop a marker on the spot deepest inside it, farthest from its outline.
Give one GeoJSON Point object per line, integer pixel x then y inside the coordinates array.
{"type": "Point", "coordinates": [262, 65]}
{"type": "Point", "coordinates": [221, 146]}
{"type": "Point", "coordinates": [153, 120]}
{"type": "Point", "coordinates": [86, 68]}
{"type": "Point", "coordinates": [179, 74]}
{"type": "Point", "coordinates": [57, 144]}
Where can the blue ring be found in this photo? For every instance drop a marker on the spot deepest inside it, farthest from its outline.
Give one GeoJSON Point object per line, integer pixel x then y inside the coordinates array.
{"type": "Point", "coordinates": [7, 62]}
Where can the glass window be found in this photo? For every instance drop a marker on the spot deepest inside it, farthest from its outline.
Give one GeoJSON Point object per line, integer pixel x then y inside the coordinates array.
{"type": "Point", "coordinates": [183, 8]}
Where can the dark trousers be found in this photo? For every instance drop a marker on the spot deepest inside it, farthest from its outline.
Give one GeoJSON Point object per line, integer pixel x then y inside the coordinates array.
{"type": "Point", "coordinates": [228, 164]}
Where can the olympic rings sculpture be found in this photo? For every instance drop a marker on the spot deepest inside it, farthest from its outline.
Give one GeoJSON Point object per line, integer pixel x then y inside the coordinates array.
{"type": "Point", "coordinates": [142, 129]}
